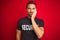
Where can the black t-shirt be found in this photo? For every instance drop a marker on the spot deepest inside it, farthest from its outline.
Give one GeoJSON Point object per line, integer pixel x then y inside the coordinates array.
{"type": "Point", "coordinates": [25, 26]}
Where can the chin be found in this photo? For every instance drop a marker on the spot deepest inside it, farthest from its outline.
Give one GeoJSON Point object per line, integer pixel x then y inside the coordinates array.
{"type": "Point", "coordinates": [30, 15]}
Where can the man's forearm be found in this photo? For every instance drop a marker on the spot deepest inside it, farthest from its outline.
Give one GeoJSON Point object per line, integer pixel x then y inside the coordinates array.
{"type": "Point", "coordinates": [37, 30]}
{"type": "Point", "coordinates": [18, 35]}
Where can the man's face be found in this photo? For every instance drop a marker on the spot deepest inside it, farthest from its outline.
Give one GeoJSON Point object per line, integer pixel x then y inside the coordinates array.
{"type": "Point", "coordinates": [31, 8]}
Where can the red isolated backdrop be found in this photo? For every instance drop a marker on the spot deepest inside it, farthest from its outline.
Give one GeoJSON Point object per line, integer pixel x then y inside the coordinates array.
{"type": "Point", "coordinates": [12, 10]}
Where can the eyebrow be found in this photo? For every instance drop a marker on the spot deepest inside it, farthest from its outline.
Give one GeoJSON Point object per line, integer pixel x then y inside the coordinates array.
{"type": "Point", "coordinates": [34, 8]}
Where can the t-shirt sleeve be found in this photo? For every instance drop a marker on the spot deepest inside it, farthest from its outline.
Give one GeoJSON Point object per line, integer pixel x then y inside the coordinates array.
{"type": "Point", "coordinates": [19, 25]}
{"type": "Point", "coordinates": [41, 23]}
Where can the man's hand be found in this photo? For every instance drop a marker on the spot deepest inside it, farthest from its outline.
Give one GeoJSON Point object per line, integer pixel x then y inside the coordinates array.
{"type": "Point", "coordinates": [38, 31]}
{"type": "Point", "coordinates": [34, 14]}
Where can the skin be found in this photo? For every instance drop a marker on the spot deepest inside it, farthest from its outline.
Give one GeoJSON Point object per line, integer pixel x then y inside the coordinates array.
{"type": "Point", "coordinates": [32, 11]}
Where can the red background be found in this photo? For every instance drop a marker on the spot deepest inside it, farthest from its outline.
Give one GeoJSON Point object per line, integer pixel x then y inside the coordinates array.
{"type": "Point", "coordinates": [12, 10]}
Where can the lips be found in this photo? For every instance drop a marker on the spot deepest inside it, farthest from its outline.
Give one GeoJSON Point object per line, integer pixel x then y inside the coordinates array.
{"type": "Point", "coordinates": [31, 12]}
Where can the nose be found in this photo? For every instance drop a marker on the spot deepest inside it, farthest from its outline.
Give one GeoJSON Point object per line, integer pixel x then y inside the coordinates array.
{"type": "Point", "coordinates": [31, 10]}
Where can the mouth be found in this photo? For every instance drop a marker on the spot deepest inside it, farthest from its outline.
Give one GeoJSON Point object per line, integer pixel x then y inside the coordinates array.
{"type": "Point", "coordinates": [30, 14]}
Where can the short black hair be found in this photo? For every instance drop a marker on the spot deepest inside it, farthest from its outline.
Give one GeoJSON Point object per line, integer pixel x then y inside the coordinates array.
{"type": "Point", "coordinates": [30, 2]}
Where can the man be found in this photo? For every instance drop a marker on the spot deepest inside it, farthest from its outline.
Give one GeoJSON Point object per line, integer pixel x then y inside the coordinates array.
{"type": "Point", "coordinates": [30, 27]}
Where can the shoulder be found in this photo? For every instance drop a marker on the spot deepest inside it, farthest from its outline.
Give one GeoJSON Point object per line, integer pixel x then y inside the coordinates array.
{"type": "Point", "coordinates": [22, 19]}
{"type": "Point", "coordinates": [39, 20]}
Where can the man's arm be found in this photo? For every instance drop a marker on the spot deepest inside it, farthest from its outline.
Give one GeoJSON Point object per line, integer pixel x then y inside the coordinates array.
{"type": "Point", "coordinates": [18, 34]}
{"type": "Point", "coordinates": [38, 30]}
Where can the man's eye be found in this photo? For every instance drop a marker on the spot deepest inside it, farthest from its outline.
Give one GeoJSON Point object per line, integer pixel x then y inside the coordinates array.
{"type": "Point", "coordinates": [33, 8]}
{"type": "Point", "coordinates": [28, 8]}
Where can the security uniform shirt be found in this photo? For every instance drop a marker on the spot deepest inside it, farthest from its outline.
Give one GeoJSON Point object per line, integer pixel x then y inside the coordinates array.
{"type": "Point", "coordinates": [25, 26]}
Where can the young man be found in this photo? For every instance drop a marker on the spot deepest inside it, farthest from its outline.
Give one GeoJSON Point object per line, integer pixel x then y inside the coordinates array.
{"type": "Point", "coordinates": [30, 27]}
